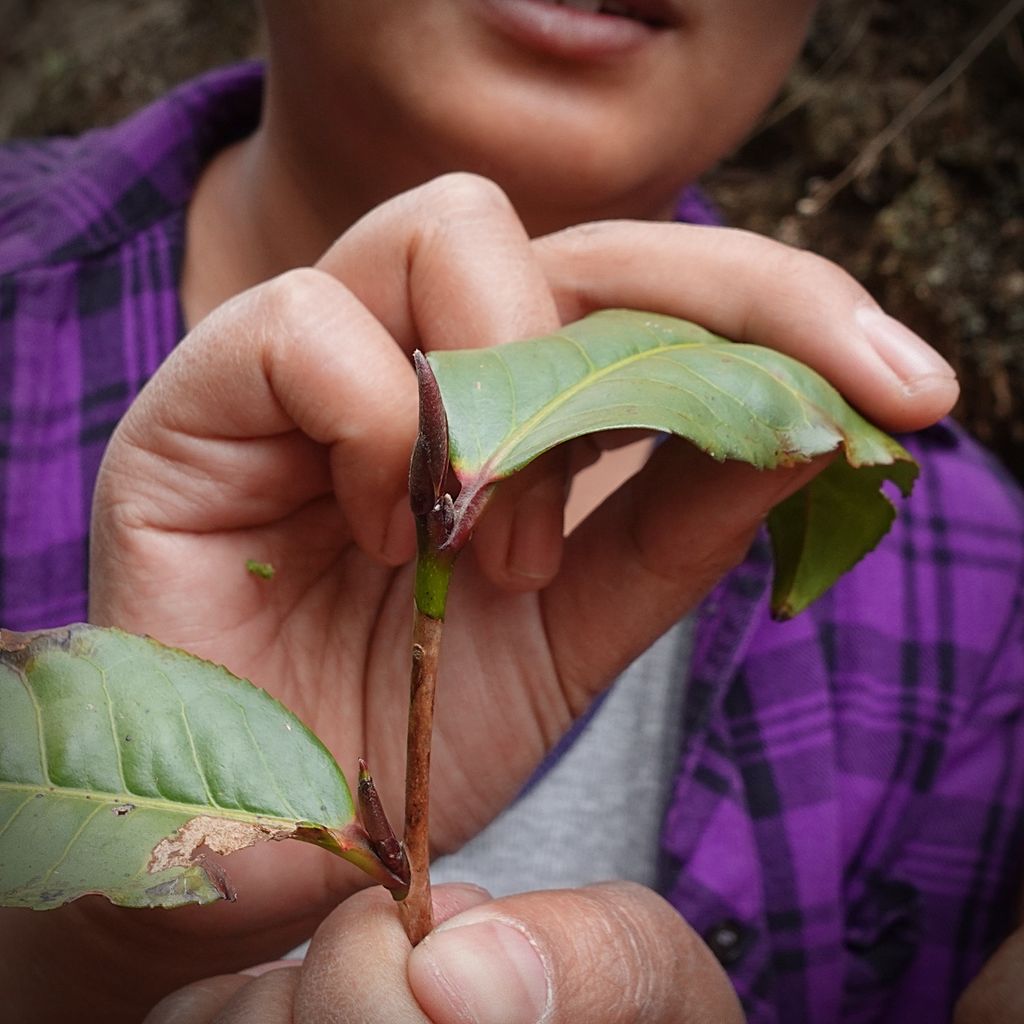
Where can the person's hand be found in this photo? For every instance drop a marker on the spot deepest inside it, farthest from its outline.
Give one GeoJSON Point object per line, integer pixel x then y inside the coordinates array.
{"type": "Point", "coordinates": [996, 995]}
{"type": "Point", "coordinates": [606, 954]}
{"type": "Point", "coordinates": [280, 429]}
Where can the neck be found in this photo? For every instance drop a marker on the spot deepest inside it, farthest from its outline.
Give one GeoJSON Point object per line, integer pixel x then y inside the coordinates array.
{"type": "Point", "coordinates": [278, 199]}
{"type": "Point", "coordinates": [251, 218]}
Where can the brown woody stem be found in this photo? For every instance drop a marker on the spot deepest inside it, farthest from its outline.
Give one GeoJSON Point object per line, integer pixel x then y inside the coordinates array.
{"type": "Point", "coordinates": [417, 910]}
{"type": "Point", "coordinates": [433, 575]}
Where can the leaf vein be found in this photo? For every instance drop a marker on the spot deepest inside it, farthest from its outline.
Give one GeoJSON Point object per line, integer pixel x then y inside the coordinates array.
{"type": "Point", "coordinates": [285, 802]}
{"type": "Point", "coordinates": [803, 400]}
{"type": "Point", "coordinates": [551, 406]}
{"type": "Point", "coordinates": [113, 725]}
{"type": "Point", "coordinates": [722, 391]}
{"type": "Point", "coordinates": [192, 746]}
{"type": "Point", "coordinates": [10, 821]}
{"type": "Point", "coordinates": [579, 348]}
{"type": "Point", "coordinates": [44, 761]}
{"type": "Point", "coordinates": [660, 351]}
{"type": "Point", "coordinates": [63, 856]}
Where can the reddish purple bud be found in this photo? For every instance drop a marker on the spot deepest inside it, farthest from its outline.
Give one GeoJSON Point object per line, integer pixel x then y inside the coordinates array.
{"type": "Point", "coordinates": [383, 842]}
{"type": "Point", "coordinates": [429, 465]}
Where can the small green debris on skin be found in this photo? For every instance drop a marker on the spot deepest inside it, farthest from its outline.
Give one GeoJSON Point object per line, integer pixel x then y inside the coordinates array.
{"type": "Point", "coordinates": [264, 570]}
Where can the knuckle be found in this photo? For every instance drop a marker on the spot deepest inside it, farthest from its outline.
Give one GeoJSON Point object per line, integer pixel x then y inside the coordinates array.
{"type": "Point", "coordinates": [292, 295]}
{"type": "Point", "coordinates": [701, 560]}
{"type": "Point", "coordinates": [462, 193]}
{"type": "Point", "coordinates": [714, 564]}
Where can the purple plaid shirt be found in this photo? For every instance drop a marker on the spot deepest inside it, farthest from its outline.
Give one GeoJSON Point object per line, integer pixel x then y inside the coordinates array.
{"type": "Point", "coordinates": [848, 818]}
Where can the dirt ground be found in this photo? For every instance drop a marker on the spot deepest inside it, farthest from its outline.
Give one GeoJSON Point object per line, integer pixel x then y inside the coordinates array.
{"type": "Point", "coordinates": [934, 226]}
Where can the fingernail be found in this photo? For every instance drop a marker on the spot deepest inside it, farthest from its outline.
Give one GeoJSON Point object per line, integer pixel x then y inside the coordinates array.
{"type": "Point", "coordinates": [400, 539]}
{"type": "Point", "coordinates": [911, 358]}
{"type": "Point", "coordinates": [535, 541]}
{"type": "Point", "coordinates": [485, 972]}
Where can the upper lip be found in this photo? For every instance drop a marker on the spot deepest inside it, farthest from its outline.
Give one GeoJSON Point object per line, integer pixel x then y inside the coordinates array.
{"type": "Point", "coordinates": [660, 13]}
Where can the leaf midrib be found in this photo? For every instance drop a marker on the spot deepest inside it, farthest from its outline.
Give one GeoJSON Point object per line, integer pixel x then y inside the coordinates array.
{"type": "Point", "coordinates": [147, 803]}
{"type": "Point", "coordinates": [551, 406]}
{"type": "Point", "coordinates": [523, 429]}
{"type": "Point", "coordinates": [109, 703]}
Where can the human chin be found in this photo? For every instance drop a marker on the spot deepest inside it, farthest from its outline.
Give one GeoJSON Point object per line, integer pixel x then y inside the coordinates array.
{"type": "Point", "coordinates": [573, 161]}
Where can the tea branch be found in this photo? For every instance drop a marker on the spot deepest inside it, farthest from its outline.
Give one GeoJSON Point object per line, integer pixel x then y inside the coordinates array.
{"type": "Point", "coordinates": [433, 508]}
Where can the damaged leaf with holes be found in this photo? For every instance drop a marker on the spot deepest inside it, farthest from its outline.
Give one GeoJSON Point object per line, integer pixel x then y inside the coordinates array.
{"type": "Point", "coordinates": [125, 764]}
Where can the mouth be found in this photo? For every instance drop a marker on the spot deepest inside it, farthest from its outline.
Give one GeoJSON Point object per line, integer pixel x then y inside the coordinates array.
{"type": "Point", "coordinates": [651, 14]}
{"type": "Point", "coordinates": [582, 30]}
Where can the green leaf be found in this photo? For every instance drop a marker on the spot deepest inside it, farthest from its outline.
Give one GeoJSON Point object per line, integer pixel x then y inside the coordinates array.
{"type": "Point", "coordinates": [122, 761]}
{"type": "Point", "coordinates": [825, 528]}
{"type": "Point", "coordinates": [621, 368]}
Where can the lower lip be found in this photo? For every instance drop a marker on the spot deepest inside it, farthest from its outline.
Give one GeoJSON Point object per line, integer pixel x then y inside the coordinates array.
{"type": "Point", "coordinates": [565, 32]}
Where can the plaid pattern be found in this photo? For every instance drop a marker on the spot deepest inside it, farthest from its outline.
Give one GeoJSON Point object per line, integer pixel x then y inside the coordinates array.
{"type": "Point", "coordinates": [849, 810]}
{"type": "Point", "coordinates": [91, 246]}
{"type": "Point", "coordinates": [851, 796]}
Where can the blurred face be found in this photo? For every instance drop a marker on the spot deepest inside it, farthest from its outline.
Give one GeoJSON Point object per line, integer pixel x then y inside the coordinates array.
{"type": "Point", "coordinates": [578, 110]}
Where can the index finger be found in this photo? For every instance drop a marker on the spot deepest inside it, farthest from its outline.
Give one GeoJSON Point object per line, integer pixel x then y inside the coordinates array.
{"type": "Point", "coordinates": [450, 265]}
{"type": "Point", "coordinates": [446, 265]}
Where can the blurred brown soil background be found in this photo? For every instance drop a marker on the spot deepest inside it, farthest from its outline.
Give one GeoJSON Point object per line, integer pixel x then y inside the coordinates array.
{"type": "Point", "coordinates": [933, 226]}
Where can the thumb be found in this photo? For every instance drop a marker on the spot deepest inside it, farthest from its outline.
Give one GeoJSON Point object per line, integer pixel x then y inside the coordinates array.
{"type": "Point", "coordinates": [615, 953]}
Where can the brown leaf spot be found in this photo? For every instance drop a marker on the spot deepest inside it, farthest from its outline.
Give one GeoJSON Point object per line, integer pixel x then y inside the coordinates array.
{"type": "Point", "coordinates": [219, 835]}
{"type": "Point", "coordinates": [13, 641]}
{"type": "Point", "coordinates": [18, 649]}
{"type": "Point", "coordinates": [15, 648]}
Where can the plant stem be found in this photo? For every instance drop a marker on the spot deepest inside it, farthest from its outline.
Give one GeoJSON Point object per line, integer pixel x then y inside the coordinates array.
{"type": "Point", "coordinates": [433, 574]}
{"type": "Point", "coordinates": [417, 911]}
{"type": "Point", "coordinates": [432, 506]}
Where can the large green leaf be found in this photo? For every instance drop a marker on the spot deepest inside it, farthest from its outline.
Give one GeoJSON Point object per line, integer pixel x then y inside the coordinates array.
{"type": "Point", "coordinates": [621, 368]}
{"type": "Point", "coordinates": [122, 761]}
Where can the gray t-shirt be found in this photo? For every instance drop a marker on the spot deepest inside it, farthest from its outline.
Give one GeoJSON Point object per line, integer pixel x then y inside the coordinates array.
{"type": "Point", "coordinates": [596, 814]}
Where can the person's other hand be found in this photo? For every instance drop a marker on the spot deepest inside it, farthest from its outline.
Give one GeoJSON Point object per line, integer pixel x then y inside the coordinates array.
{"type": "Point", "coordinates": [280, 430]}
{"type": "Point", "coordinates": [996, 995]}
{"type": "Point", "coordinates": [606, 954]}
